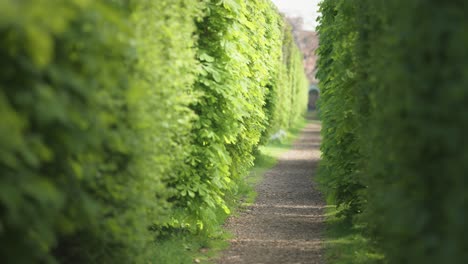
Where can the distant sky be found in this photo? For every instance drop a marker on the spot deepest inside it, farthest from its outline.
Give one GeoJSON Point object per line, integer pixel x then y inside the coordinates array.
{"type": "Point", "coordinates": [307, 9]}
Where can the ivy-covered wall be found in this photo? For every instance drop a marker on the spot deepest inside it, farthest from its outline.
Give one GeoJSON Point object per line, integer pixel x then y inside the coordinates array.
{"type": "Point", "coordinates": [125, 121]}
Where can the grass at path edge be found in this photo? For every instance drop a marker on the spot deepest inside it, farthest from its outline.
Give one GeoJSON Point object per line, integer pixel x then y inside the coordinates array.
{"type": "Point", "coordinates": [345, 242]}
{"type": "Point", "coordinates": [266, 159]}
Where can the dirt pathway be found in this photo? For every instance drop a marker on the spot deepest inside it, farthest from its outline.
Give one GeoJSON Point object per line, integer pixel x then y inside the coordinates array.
{"type": "Point", "coordinates": [286, 222]}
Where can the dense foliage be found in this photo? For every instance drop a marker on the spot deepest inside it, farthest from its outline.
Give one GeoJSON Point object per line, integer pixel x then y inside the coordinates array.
{"type": "Point", "coordinates": [395, 111]}
{"type": "Point", "coordinates": [286, 98]}
{"type": "Point", "coordinates": [124, 121]}
{"type": "Point", "coordinates": [340, 105]}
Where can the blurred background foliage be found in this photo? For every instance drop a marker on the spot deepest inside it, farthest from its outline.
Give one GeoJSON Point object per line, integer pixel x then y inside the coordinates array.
{"type": "Point", "coordinates": [395, 114]}
{"type": "Point", "coordinates": [124, 122]}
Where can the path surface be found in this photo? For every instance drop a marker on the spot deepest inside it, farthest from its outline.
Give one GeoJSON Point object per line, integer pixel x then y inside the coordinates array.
{"type": "Point", "coordinates": [286, 223]}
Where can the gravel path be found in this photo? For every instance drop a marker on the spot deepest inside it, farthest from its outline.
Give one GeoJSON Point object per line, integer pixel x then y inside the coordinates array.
{"type": "Point", "coordinates": [286, 223]}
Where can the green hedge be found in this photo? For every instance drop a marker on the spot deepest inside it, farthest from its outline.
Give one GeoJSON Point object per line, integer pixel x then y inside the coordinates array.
{"type": "Point", "coordinates": [341, 106]}
{"type": "Point", "coordinates": [92, 131]}
{"type": "Point", "coordinates": [286, 97]}
{"type": "Point", "coordinates": [127, 121]}
{"type": "Point", "coordinates": [394, 108]}
{"type": "Point", "coordinates": [240, 54]}
{"type": "Point", "coordinates": [231, 89]}
{"type": "Point", "coordinates": [63, 145]}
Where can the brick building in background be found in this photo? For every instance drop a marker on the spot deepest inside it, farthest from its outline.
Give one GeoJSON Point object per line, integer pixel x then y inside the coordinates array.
{"type": "Point", "coordinates": [308, 43]}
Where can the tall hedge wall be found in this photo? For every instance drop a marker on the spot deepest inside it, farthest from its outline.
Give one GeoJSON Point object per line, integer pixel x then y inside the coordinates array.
{"type": "Point", "coordinates": [123, 121]}
{"type": "Point", "coordinates": [342, 105]}
{"type": "Point", "coordinates": [283, 104]}
{"type": "Point", "coordinates": [393, 85]}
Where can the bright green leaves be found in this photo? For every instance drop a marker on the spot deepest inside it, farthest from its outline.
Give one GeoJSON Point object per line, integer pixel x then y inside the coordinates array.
{"type": "Point", "coordinates": [231, 5]}
{"type": "Point", "coordinates": [240, 49]}
{"type": "Point", "coordinates": [205, 57]}
{"type": "Point", "coordinates": [120, 117]}
{"type": "Point", "coordinates": [287, 85]}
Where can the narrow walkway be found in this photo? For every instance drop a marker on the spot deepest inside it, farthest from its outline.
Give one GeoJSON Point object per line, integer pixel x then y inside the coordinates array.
{"type": "Point", "coordinates": [286, 223]}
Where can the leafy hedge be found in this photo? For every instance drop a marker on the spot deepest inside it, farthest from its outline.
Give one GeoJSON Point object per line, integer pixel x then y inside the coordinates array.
{"type": "Point", "coordinates": [342, 105]}
{"type": "Point", "coordinates": [64, 150]}
{"type": "Point", "coordinates": [240, 51]}
{"type": "Point", "coordinates": [123, 121]}
{"type": "Point", "coordinates": [284, 104]}
{"type": "Point", "coordinates": [394, 112]}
